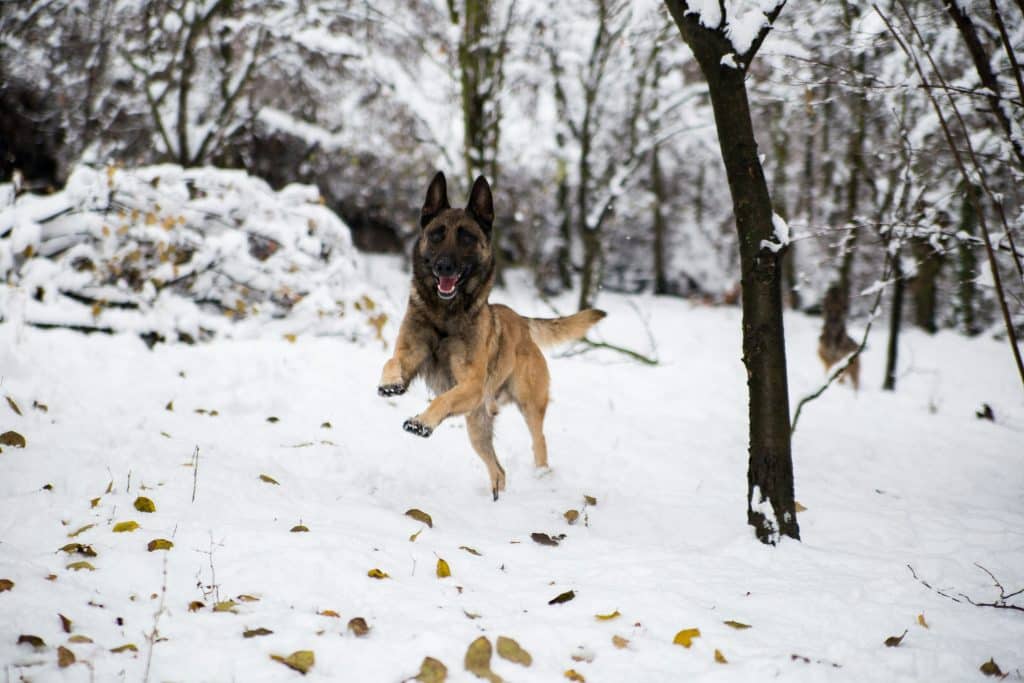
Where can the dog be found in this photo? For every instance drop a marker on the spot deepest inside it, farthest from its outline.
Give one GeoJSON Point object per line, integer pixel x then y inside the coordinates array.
{"type": "Point", "coordinates": [475, 356]}
{"type": "Point", "coordinates": [835, 344]}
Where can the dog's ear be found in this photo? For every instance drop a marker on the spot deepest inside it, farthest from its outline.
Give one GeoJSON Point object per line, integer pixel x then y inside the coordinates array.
{"type": "Point", "coordinates": [481, 205]}
{"type": "Point", "coordinates": [436, 201]}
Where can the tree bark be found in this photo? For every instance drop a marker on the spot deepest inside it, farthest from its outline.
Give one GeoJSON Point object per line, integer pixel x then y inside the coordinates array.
{"type": "Point", "coordinates": [929, 262]}
{"type": "Point", "coordinates": [770, 503]}
{"type": "Point", "coordinates": [658, 188]}
{"type": "Point", "coordinates": [966, 303]}
{"type": "Point", "coordinates": [895, 321]}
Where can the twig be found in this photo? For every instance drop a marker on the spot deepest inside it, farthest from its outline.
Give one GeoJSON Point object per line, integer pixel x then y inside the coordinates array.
{"type": "Point", "coordinates": [646, 360]}
{"type": "Point", "coordinates": [154, 636]}
{"type": "Point", "coordinates": [195, 472]}
{"type": "Point", "coordinates": [1001, 603]}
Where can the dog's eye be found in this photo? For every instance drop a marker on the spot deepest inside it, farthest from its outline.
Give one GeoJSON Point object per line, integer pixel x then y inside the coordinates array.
{"type": "Point", "coordinates": [435, 236]}
{"type": "Point", "coordinates": [466, 238]}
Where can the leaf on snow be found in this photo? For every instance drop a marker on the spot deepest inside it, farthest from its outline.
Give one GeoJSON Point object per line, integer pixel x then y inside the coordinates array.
{"type": "Point", "coordinates": [65, 657]}
{"type": "Point", "coordinates": [620, 642]}
{"type": "Point", "coordinates": [608, 617]}
{"type": "Point", "coordinates": [413, 537]}
{"type": "Point", "coordinates": [269, 479]}
{"type": "Point", "coordinates": [299, 528]}
{"type": "Point", "coordinates": [300, 660]}
{"type": "Point", "coordinates": [894, 641]}
{"type": "Point", "coordinates": [509, 649]}
{"type": "Point", "coordinates": [562, 597]}
{"type": "Point", "coordinates": [420, 516]}
{"type": "Point", "coordinates": [159, 544]}
{"type": "Point", "coordinates": [122, 527]}
{"type": "Point", "coordinates": [329, 613]}
{"type": "Point", "coordinates": [80, 549]}
{"type": "Point", "coordinates": [6, 585]}
{"type": "Point", "coordinates": [798, 507]}
{"type": "Point", "coordinates": [543, 539]}
{"type": "Point", "coordinates": [225, 606]}
{"type": "Point", "coordinates": [921, 621]}
{"type": "Point", "coordinates": [686, 636]}
{"type": "Point", "coordinates": [738, 625]}
{"type": "Point", "coordinates": [94, 501]}
{"type": "Point", "coordinates": [256, 632]}
{"type": "Point", "coordinates": [432, 671]}
{"type": "Point", "coordinates": [127, 647]}
{"type": "Point", "coordinates": [13, 405]}
{"type": "Point", "coordinates": [990, 668]}
{"type": "Point", "coordinates": [65, 623]}
{"type": "Point", "coordinates": [471, 551]}
{"type": "Point", "coordinates": [471, 615]}
{"type": "Point", "coordinates": [478, 660]}
{"type": "Point", "coordinates": [571, 516]}
{"type": "Point", "coordinates": [81, 530]}
{"type": "Point", "coordinates": [377, 574]}
{"type": "Point", "coordinates": [143, 504]}
{"type": "Point", "coordinates": [196, 605]}
{"type": "Point", "coordinates": [245, 597]}
{"type": "Point", "coordinates": [358, 626]}
{"type": "Point", "coordinates": [590, 500]}
{"type": "Point", "coordinates": [443, 570]}
{"type": "Point", "coordinates": [720, 658]}
{"type": "Point", "coordinates": [81, 564]}
{"type": "Point", "coordinates": [35, 641]}
{"type": "Point", "coordinates": [79, 638]}
{"type": "Point", "coordinates": [13, 439]}
{"type": "Point", "coordinates": [574, 675]}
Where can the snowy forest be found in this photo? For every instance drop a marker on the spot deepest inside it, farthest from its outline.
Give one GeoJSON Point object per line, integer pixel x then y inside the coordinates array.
{"type": "Point", "coordinates": [209, 210]}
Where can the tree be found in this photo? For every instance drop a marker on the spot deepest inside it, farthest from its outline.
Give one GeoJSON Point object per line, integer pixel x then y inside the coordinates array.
{"type": "Point", "coordinates": [724, 61]}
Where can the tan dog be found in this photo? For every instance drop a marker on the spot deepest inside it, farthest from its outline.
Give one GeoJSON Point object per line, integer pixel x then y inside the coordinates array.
{"type": "Point", "coordinates": [473, 355]}
{"type": "Point", "coordinates": [835, 344]}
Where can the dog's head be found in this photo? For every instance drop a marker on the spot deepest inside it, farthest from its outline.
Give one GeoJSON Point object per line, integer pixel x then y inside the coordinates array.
{"type": "Point", "coordinates": [453, 255]}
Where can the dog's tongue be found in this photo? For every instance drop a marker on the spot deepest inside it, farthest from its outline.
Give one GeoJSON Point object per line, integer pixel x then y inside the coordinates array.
{"type": "Point", "coordinates": [447, 284]}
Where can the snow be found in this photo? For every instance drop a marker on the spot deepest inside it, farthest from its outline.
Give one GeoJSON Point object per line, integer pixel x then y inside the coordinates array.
{"type": "Point", "coordinates": [888, 480]}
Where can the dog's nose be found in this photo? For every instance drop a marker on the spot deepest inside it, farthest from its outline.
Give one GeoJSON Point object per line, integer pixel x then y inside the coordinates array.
{"type": "Point", "coordinates": [444, 266]}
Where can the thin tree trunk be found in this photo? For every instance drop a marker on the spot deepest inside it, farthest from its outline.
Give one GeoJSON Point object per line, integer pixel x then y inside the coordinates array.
{"type": "Point", "coordinates": [770, 503]}
{"type": "Point", "coordinates": [923, 289]}
{"type": "Point", "coordinates": [895, 322]}
{"type": "Point", "coordinates": [967, 293]}
{"type": "Point", "coordinates": [658, 187]}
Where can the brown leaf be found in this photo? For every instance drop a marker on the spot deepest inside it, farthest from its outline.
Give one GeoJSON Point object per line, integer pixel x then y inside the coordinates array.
{"type": "Point", "coordinates": [894, 641]}
{"type": "Point", "coordinates": [127, 647]}
{"type": "Point", "coordinates": [478, 660]}
{"type": "Point", "coordinates": [299, 528]}
{"type": "Point", "coordinates": [13, 405]}
{"type": "Point", "coordinates": [509, 649]}
{"type": "Point", "coordinates": [6, 585]}
{"type": "Point", "coordinates": [329, 613]}
{"type": "Point", "coordinates": [169, 406]}
{"type": "Point", "coordinates": [921, 621]}
{"type": "Point", "coordinates": [65, 657]}
{"type": "Point", "coordinates": [81, 564]}
{"type": "Point", "coordinates": [225, 606]}
{"type": "Point", "coordinates": [562, 597]}
{"type": "Point", "coordinates": [571, 516]}
{"type": "Point", "coordinates": [143, 504]}
{"type": "Point", "coordinates": [543, 539]}
{"type": "Point", "coordinates": [471, 551]}
{"type": "Point", "coordinates": [256, 632]}
{"type": "Point", "coordinates": [81, 530]}
{"type": "Point", "coordinates": [269, 479]}
{"type": "Point", "coordinates": [798, 507]}
{"type": "Point", "coordinates": [245, 597]}
{"type": "Point", "coordinates": [196, 605]}
{"type": "Point", "coordinates": [300, 660]}
{"type": "Point", "coordinates": [94, 502]}
{"type": "Point", "coordinates": [420, 516]}
{"type": "Point", "coordinates": [65, 623]}
{"type": "Point", "coordinates": [358, 626]}
{"type": "Point", "coordinates": [620, 642]}
{"type": "Point", "coordinates": [122, 527]}
{"type": "Point", "coordinates": [574, 675]}
{"type": "Point", "coordinates": [13, 439]}
{"type": "Point", "coordinates": [79, 638]}
{"type": "Point", "coordinates": [273, 420]}
{"type": "Point", "coordinates": [990, 668]}
{"type": "Point", "coordinates": [720, 658]}
{"type": "Point", "coordinates": [590, 500]}
{"type": "Point", "coordinates": [738, 625]}
{"type": "Point", "coordinates": [159, 544]}
{"type": "Point", "coordinates": [432, 671]}
{"type": "Point", "coordinates": [413, 537]}
{"type": "Point", "coordinates": [35, 641]}
{"type": "Point", "coordinates": [79, 549]}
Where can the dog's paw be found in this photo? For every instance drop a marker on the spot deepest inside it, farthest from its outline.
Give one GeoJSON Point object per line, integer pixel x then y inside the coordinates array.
{"type": "Point", "coordinates": [414, 426]}
{"type": "Point", "coordinates": [391, 390]}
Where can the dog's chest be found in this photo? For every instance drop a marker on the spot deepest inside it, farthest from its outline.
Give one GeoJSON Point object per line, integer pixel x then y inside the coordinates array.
{"type": "Point", "coordinates": [437, 369]}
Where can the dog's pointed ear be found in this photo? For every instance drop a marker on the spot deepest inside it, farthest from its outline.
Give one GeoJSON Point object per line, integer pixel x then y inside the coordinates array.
{"type": "Point", "coordinates": [436, 201]}
{"type": "Point", "coordinates": [481, 204]}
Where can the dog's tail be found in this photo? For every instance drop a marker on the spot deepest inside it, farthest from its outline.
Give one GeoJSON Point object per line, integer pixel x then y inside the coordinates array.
{"type": "Point", "coordinates": [553, 331]}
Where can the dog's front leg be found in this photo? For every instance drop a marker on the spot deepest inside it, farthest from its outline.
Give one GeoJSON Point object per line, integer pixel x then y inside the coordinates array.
{"type": "Point", "coordinates": [464, 397]}
{"type": "Point", "coordinates": [402, 367]}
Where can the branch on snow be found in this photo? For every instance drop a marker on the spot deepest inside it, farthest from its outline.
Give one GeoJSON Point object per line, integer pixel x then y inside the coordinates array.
{"type": "Point", "coordinates": [1000, 603]}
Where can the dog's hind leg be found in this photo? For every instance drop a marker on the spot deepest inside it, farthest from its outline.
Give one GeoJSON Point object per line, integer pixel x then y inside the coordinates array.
{"type": "Point", "coordinates": [530, 390]}
{"type": "Point", "coordinates": [480, 425]}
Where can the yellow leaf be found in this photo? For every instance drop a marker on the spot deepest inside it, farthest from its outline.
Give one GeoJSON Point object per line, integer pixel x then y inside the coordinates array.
{"type": "Point", "coordinates": [159, 544]}
{"type": "Point", "coordinates": [478, 660]}
{"type": "Point", "coordinates": [574, 675]}
{"type": "Point", "coordinates": [81, 530]}
{"type": "Point", "coordinates": [416, 535]}
{"type": "Point", "coordinates": [571, 516]}
{"type": "Point", "coordinates": [301, 660]}
{"type": "Point", "coordinates": [420, 516]}
{"type": "Point", "coordinates": [299, 528]}
{"type": "Point", "coordinates": [443, 570]}
{"type": "Point", "coordinates": [122, 527]}
{"type": "Point", "coordinates": [798, 506]}
{"type": "Point", "coordinates": [79, 638]}
{"type": "Point", "coordinates": [432, 671]}
{"type": "Point", "coordinates": [471, 551]}
{"type": "Point", "coordinates": [143, 504]}
{"type": "Point", "coordinates": [94, 502]}
{"type": "Point", "coordinates": [329, 613]}
{"type": "Point", "coordinates": [358, 626]}
{"type": "Point", "coordinates": [80, 549]}
{"type": "Point", "coordinates": [81, 564]}
{"type": "Point", "coordinates": [255, 632]}
{"type": "Point", "coordinates": [245, 597]}
{"type": "Point", "coordinates": [619, 642]}
{"type": "Point", "coordinates": [291, 338]}
{"type": "Point", "coordinates": [509, 649]}
{"type": "Point", "coordinates": [65, 657]}
{"type": "Point", "coordinates": [225, 606]}
{"type": "Point", "coordinates": [127, 647]}
{"type": "Point", "coordinates": [608, 617]}
{"type": "Point", "coordinates": [920, 620]}
{"type": "Point", "coordinates": [269, 479]}
{"type": "Point", "coordinates": [720, 658]}
{"type": "Point", "coordinates": [377, 574]}
{"type": "Point", "coordinates": [686, 636]}
{"type": "Point", "coordinates": [738, 625]}
{"type": "Point", "coordinates": [590, 500]}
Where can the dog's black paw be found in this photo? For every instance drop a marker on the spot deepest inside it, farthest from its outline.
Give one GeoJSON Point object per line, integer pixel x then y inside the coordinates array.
{"type": "Point", "coordinates": [414, 426]}
{"type": "Point", "coordinates": [391, 390]}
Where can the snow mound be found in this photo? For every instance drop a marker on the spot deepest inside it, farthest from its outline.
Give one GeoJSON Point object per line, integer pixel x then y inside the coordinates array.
{"type": "Point", "coordinates": [183, 254]}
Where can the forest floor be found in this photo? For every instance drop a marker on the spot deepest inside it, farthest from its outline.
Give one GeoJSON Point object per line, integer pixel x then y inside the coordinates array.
{"type": "Point", "coordinates": [891, 482]}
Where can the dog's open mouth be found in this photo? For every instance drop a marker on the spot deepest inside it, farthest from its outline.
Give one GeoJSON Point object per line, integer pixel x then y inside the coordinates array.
{"type": "Point", "coordinates": [446, 286]}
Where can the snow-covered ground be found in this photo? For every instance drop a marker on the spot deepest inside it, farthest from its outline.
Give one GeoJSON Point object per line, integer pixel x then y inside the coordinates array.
{"type": "Point", "coordinates": [888, 480]}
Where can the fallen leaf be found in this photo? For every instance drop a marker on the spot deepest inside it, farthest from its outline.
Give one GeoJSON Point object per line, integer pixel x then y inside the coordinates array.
{"type": "Point", "coordinates": [143, 504]}
{"type": "Point", "coordinates": [325, 425]}
{"type": "Point", "coordinates": [432, 671]}
{"type": "Point", "coordinates": [299, 528]}
{"type": "Point", "coordinates": [13, 439]}
{"type": "Point", "coordinates": [272, 419]}
{"type": "Point", "coordinates": [42, 407]}
{"type": "Point", "coordinates": [245, 597]}
{"type": "Point", "coordinates": [543, 539]}
{"type": "Point", "coordinates": [94, 502]}
{"type": "Point", "coordinates": [65, 657]}
{"type": "Point", "coordinates": [159, 544]}
{"type": "Point", "coordinates": [122, 527]}
{"type": "Point", "coordinates": [738, 625]}
{"type": "Point", "coordinates": [894, 641]}
{"type": "Point", "coordinates": [509, 649]}
{"type": "Point", "coordinates": [65, 623]}
{"type": "Point", "coordinates": [720, 658]}
{"type": "Point", "coordinates": [608, 617]}
{"type": "Point", "coordinates": [35, 641]}
{"type": "Point", "coordinates": [290, 337]}
{"type": "Point", "coordinates": [420, 516]}
{"type": "Point", "coordinates": [443, 570]}
{"type": "Point", "coordinates": [6, 585]}
{"type": "Point", "coordinates": [478, 660]}
{"type": "Point", "coordinates": [571, 516]}
{"type": "Point", "coordinates": [471, 551]}
{"type": "Point", "coordinates": [81, 564]}
{"type": "Point", "coordinates": [329, 613]}
{"type": "Point", "coordinates": [619, 642]}
{"type": "Point", "coordinates": [377, 574]}
{"type": "Point", "coordinates": [81, 530]}
{"type": "Point", "coordinates": [989, 668]}
{"type": "Point", "coordinates": [13, 405]}
{"type": "Point", "coordinates": [47, 487]}
{"type": "Point", "coordinates": [686, 636]}
{"type": "Point", "coordinates": [590, 500]}
{"type": "Point", "coordinates": [471, 615]}
{"type": "Point", "coordinates": [196, 605]}
{"type": "Point", "coordinates": [358, 626]}
{"type": "Point", "coordinates": [920, 620]}
{"type": "Point", "coordinates": [225, 606]}
{"type": "Point", "coordinates": [574, 675]}
{"type": "Point", "coordinates": [79, 638]}
{"type": "Point", "coordinates": [562, 597]}
{"type": "Point", "coordinates": [416, 535]}
{"type": "Point", "coordinates": [269, 479]}
{"type": "Point", "coordinates": [169, 406]}
{"type": "Point", "coordinates": [256, 632]}
{"type": "Point", "coordinates": [301, 660]}
{"type": "Point", "coordinates": [798, 507]}
{"type": "Point", "coordinates": [127, 647]}
{"type": "Point", "coordinates": [79, 549]}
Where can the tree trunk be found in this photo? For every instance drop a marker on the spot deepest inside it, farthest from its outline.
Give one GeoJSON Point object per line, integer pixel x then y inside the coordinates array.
{"type": "Point", "coordinates": [929, 262]}
{"type": "Point", "coordinates": [770, 504]}
{"type": "Point", "coordinates": [895, 321]}
{"type": "Point", "coordinates": [658, 188]}
{"type": "Point", "coordinates": [967, 293]}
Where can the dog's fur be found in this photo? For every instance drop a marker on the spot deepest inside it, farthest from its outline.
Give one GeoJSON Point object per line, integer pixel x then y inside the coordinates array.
{"type": "Point", "coordinates": [473, 355]}
{"type": "Point", "coordinates": [835, 344]}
